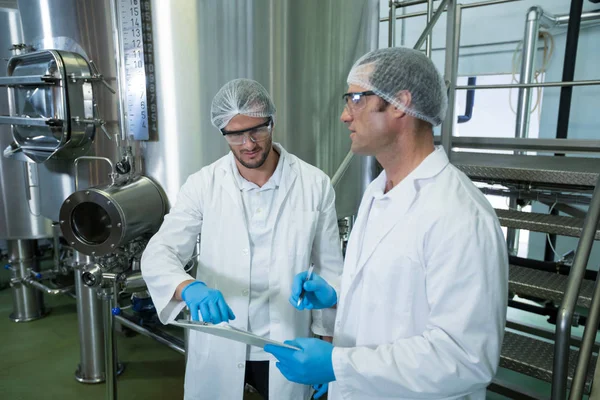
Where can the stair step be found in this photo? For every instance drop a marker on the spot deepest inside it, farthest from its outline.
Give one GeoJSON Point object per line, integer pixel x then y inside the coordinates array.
{"type": "Point", "coordinates": [574, 172]}
{"type": "Point", "coordinates": [546, 223]}
{"type": "Point", "coordinates": [534, 357]}
{"type": "Point", "coordinates": [546, 285]}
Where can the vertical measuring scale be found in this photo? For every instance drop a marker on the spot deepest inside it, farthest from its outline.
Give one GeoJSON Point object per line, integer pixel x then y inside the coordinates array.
{"type": "Point", "coordinates": [133, 72]}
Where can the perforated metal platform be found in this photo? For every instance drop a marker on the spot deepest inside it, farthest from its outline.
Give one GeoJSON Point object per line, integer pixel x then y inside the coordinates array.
{"type": "Point", "coordinates": [546, 285]}
{"type": "Point", "coordinates": [574, 172]}
{"type": "Point", "coordinates": [534, 358]}
{"type": "Point", "coordinates": [554, 224]}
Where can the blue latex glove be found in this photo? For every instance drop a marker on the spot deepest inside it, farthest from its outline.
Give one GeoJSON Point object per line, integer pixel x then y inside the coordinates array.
{"type": "Point", "coordinates": [310, 365]}
{"type": "Point", "coordinates": [209, 302]}
{"type": "Point", "coordinates": [320, 390]}
{"type": "Point", "coordinates": [317, 292]}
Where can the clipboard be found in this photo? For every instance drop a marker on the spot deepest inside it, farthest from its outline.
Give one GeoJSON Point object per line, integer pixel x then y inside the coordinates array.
{"type": "Point", "coordinates": [229, 332]}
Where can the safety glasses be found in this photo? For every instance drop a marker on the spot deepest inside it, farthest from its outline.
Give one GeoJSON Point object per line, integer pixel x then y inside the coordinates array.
{"type": "Point", "coordinates": [354, 101]}
{"type": "Point", "coordinates": [256, 134]}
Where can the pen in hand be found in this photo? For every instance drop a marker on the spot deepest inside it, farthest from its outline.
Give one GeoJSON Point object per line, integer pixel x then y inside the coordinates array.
{"type": "Point", "coordinates": [308, 277]}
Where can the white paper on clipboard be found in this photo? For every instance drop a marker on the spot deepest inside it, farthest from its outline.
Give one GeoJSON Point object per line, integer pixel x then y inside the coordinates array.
{"type": "Point", "coordinates": [229, 332]}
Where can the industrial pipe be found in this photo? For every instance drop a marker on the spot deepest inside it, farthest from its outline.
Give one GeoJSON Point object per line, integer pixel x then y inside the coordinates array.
{"type": "Point", "coordinates": [40, 286]}
{"type": "Point", "coordinates": [157, 335]}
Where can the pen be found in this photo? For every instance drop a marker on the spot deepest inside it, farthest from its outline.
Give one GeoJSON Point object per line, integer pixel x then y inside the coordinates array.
{"type": "Point", "coordinates": [308, 277]}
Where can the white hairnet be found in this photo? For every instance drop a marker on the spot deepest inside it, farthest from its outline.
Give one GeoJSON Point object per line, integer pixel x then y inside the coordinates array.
{"type": "Point", "coordinates": [241, 96]}
{"type": "Point", "coordinates": [390, 71]}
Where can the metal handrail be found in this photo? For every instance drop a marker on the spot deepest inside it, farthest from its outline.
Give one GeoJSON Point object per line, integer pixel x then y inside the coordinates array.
{"type": "Point", "coordinates": [587, 346]}
{"type": "Point", "coordinates": [525, 144]}
{"type": "Point", "coordinates": [560, 20]}
{"type": "Point", "coordinates": [113, 173]}
{"type": "Point", "coordinates": [564, 317]}
{"type": "Point", "coordinates": [591, 82]}
{"type": "Point", "coordinates": [408, 3]}
{"type": "Point", "coordinates": [470, 5]}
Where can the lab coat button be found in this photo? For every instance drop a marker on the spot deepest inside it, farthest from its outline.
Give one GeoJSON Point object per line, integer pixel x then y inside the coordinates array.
{"type": "Point", "coordinates": [245, 292]}
{"type": "Point", "coordinates": [338, 324]}
{"type": "Point", "coordinates": [241, 365]}
{"type": "Point", "coordinates": [245, 251]}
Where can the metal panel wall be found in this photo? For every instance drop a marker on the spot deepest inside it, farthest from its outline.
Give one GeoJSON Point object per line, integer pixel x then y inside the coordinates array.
{"type": "Point", "coordinates": [301, 51]}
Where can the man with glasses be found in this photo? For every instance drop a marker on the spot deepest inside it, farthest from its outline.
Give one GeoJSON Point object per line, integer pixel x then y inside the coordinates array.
{"type": "Point", "coordinates": [264, 216]}
{"type": "Point", "coordinates": [422, 304]}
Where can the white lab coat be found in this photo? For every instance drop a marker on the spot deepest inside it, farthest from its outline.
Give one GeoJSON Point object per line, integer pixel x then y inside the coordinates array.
{"type": "Point", "coordinates": [422, 316]}
{"type": "Point", "coordinates": [306, 230]}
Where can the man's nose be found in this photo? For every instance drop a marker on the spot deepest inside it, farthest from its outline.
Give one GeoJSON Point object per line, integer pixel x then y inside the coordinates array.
{"type": "Point", "coordinates": [346, 117]}
{"type": "Point", "coordinates": [248, 142]}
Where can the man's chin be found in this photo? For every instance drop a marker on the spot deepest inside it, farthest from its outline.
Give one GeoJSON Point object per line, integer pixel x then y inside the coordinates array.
{"type": "Point", "coordinates": [360, 150]}
{"type": "Point", "coordinates": [256, 161]}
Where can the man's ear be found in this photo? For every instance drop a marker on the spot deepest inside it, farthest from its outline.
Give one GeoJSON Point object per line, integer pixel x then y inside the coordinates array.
{"type": "Point", "coordinates": [405, 99]}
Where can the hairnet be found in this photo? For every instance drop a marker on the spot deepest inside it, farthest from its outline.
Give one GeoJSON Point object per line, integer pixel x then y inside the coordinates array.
{"type": "Point", "coordinates": [240, 96]}
{"type": "Point", "coordinates": [389, 71]}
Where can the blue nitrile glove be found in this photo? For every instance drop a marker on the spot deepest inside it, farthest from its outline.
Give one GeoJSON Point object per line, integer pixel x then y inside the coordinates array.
{"type": "Point", "coordinates": [320, 390]}
{"type": "Point", "coordinates": [310, 365]}
{"type": "Point", "coordinates": [209, 301]}
{"type": "Point", "coordinates": [317, 292]}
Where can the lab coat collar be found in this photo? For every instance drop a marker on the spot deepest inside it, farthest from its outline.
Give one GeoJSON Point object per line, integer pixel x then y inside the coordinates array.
{"type": "Point", "coordinates": [402, 196]}
{"type": "Point", "coordinates": [273, 182]}
{"type": "Point", "coordinates": [288, 176]}
{"type": "Point", "coordinates": [432, 165]}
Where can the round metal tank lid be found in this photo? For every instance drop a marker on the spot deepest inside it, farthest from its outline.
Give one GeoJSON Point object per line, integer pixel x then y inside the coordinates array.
{"type": "Point", "coordinates": [91, 222]}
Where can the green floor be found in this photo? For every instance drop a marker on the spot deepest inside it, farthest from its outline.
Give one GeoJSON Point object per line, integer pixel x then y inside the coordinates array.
{"type": "Point", "coordinates": [38, 360]}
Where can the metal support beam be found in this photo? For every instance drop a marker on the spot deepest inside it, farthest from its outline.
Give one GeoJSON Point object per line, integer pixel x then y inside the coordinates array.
{"type": "Point", "coordinates": [392, 25]}
{"type": "Point", "coordinates": [430, 25]}
{"type": "Point", "coordinates": [451, 70]}
{"type": "Point", "coordinates": [530, 37]}
{"type": "Point", "coordinates": [110, 349]}
{"type": "Point", "coordinates": [429, 42]}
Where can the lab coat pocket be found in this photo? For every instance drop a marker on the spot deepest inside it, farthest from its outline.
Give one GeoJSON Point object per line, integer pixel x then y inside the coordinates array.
{"type": "Point", "coordinates": [198, 344]}
{"type": "Point", "coordinates": [301, 233]}
{"type": "Point", "coordinates": [391, 284]}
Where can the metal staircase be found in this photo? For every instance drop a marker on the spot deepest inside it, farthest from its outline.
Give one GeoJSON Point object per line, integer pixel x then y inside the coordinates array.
{"type": "Point", "coordinates": [525, 353]}
{"type": "Point", "coordinates": [566, 292]}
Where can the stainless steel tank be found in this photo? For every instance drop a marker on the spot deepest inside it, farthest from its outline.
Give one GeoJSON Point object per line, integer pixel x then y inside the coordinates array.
{"type": "Point", "coordinates": [83, 27]}
{"type": "Point", "coordinates": [20, 201]}
{"type": "Point", "coordinates": [301, 51]}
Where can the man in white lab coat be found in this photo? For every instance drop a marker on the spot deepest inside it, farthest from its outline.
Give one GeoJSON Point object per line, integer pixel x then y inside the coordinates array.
{"type": "Point", "coordinates": [422, 305]}
{"type": "Point", "coordinates": [264, 215]}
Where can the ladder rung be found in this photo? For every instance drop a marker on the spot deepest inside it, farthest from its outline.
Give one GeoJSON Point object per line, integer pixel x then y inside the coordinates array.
{"type": "Point", "coordinates": [575, 172]}
{"type": "Point", "coordinates": [546, 285]}
{"type": "Point", "coordinates": [534, 357]}
{"type": "Point", "coordinates": [547, 223]}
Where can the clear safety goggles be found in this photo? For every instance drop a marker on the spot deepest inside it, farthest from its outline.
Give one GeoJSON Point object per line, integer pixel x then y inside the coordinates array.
{"type": "Point", "coordinates": [354, 101]}
{"type": "Point", "coordinates": [256, 134]}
